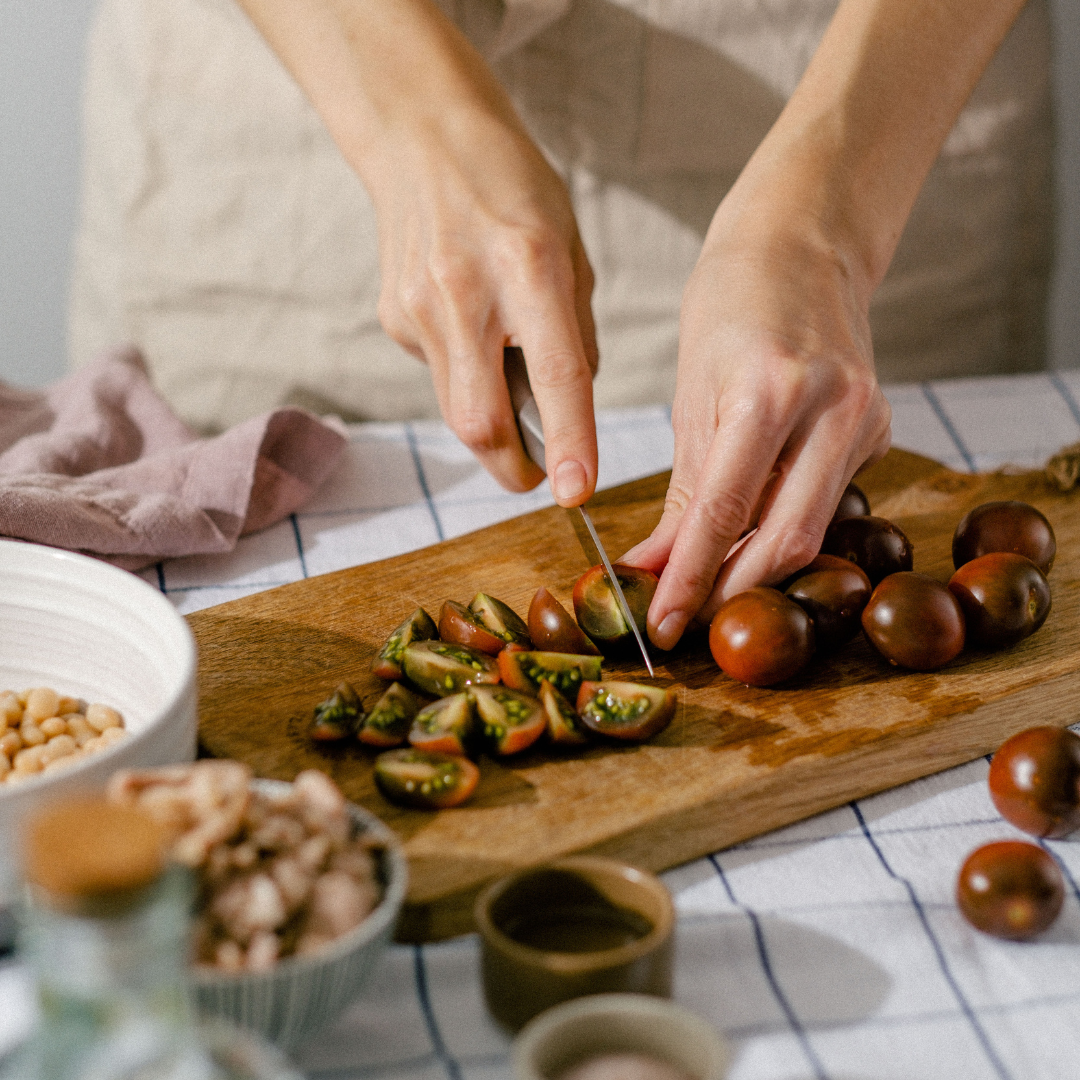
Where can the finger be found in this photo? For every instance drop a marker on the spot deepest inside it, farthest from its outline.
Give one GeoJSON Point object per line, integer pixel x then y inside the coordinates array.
{"type": "Point", "coordinates": [583, 290]}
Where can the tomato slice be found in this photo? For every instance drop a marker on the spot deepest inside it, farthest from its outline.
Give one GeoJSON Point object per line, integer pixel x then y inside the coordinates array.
{"type": "Point", "coordinates": [508, 719]}
{"type": "Point", "coordinates": [597, 609]}
{"type": "Point", "coordinates": [500, 619]}
{"type": "Point", "coordinates": [419, 626]}
{"type": "Point", "coordinates": [425, 780]}
{"type": "Point", "coordinates": [443, 667]}
{"type": "Point", "coordinates": [459, 625]}
{"type": "Point", "coordinates": [565, 671]}
{"type": "Point", "coordinates": [552, 628]}
{"type": "Point", "coordinates": [338, 717]}
{"type": "Point", "coordinates": [563, 725]}
{"type": "Point", "coordinates": [447, 725]}
{"type": "Point", "coordinates": [389, 721]}
{"type": "Point", "coordinates": [629, 711]}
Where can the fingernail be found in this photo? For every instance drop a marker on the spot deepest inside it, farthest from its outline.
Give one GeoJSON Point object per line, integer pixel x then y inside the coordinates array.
{"type": "Point", "coordinates": [670, 629]}
{"type": "Point", "coordinates": [569, 480]}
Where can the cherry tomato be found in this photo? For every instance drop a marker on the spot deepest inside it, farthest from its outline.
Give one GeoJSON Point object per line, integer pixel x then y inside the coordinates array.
{"type": "Point", "coordinates": [419, 626]}
{"type": "Point", "coordinates": [509, 720]}
{"type": "Point", "coordinates": [1004, 597]}
{"type": "Point", "coordinates": [1035, 781]}
{"type": "Point", "coordinates": [914, 621]}
{"type": "Point", "coordinates": [459, 625]}
{"type": "Point", "coordinates": [424, 779]}
{"type": "Point", "coordinates": [853, 503]}
{"type": "Point", "coordinates": [441, 667]}
{"type": "Point", "coordinates": [565, 671]}
{"type": "Point", "coordinates": [760, 637]}
{"type": "Point", "coordinates": [1005, 526]}
{"type": "Point", "coordinates": [500, 619]}
{"type": "Point", "coordinates": [818, 562]}
{"type": "Point", "coordinates": [447, 725]}
{"type": "Point", "coordinates": [597, 610]}
{"type": "Point", "coordinates": [391, 717]}
{"type": "Point", "coordinates": [872, 543]}
{"type": "Point", "coordinates": [553, 629]}
{"type": "Point", "coordinates": [834, 600]}
{"type": "Point", "coordinates": [563, 724]}
{"type": "Point", "coordinates": [630, 712]}
{"type": "Point", "coordinates": [1011, 889]}
{"type": "Point", "coordinates": [338, 717]}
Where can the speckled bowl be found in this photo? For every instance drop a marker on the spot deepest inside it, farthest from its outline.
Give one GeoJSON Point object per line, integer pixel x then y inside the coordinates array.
{"type": "Point", "coordinates": [90, 630]}
{"type": "Point", "coordinates": [300, 995]}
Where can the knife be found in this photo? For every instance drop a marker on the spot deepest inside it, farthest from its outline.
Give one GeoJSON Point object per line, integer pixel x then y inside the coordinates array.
{"type": "Point", "coordinates": [532, 437]}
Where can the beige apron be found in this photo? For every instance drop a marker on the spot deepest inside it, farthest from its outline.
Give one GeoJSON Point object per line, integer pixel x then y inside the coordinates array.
{"type": "Point", "coordinates": [224, 234]}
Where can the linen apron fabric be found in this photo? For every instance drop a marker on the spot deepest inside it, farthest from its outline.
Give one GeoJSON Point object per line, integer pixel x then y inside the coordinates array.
{"type": "Point", "coordinates": [223, 233]}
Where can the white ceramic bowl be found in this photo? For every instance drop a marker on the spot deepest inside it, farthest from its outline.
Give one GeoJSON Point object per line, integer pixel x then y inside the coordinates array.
{"type": "Point", "coordinates": [301, 994]}
{"type": "Point", "coordinates": [92, 631]}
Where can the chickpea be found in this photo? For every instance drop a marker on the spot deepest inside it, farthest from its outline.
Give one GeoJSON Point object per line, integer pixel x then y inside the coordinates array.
{"type": "Point", "coordinates": [53, 726]}
{"type": "Point", "coordinates": [41, 703]}
{"type": "Point", "coordinates": [101, 717]}
{"type": "Point", "coordinates": [31, 734]}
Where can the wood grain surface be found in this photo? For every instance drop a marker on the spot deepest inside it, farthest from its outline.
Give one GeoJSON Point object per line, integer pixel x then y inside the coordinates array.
{"type": "Point", "coordinates": [735, 762]}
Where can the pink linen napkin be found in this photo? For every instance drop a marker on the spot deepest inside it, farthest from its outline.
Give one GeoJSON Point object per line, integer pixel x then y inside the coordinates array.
{"type": "Point", "coordinates": [98, 463]}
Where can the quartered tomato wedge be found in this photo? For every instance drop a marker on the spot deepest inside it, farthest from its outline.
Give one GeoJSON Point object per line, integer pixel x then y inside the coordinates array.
{"type": "Point", "coordinates": [597, 610]}
{"type": "Point", "coordinates": [419, 626]}
{"type": "Point", "coordinates": [338, 717]}
{"type": "Point", "coordinates": [442, 668]}
{"type": "Point", "coordinates": [500, 619]}
{"type": "Point", "coordinates": [447, 725]}
{"type": "Point", "coordinates": [425, 780]}
{"type": "Point", "coordinates": [389, 721]}
{"type": "Point", "coordinates": [553, 629]}
{"type": "Point", "coordinates": [625, 710]}
{"type": "Point", "coordinates": [458, 624]}
{"type": "Point", "coordinates": [565, 671]}
{"type": "Point", "coordinates": [509, 720]}
{"type": "Point", "coordinates": [563, 725]}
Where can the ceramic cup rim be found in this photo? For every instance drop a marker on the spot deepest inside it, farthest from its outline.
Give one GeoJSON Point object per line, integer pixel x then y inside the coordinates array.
{"type": "Point", "coordinates": [590, 867]}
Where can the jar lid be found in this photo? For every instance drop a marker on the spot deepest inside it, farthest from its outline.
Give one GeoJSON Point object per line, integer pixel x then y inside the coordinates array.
{"type": "Point", "coordinates": [80, 849]}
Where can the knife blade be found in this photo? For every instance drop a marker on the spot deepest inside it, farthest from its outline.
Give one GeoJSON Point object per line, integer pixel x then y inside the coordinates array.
{"type": "Point", "coordinates": [532, 437]}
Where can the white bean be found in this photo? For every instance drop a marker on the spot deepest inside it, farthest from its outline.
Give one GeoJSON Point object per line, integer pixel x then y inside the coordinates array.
{"type": "Point", "coordinates": [100, 717]}
{"type": "Point", "coordinates": [53, 726]}
{"type": "Point", "coordinates": [41, 703]}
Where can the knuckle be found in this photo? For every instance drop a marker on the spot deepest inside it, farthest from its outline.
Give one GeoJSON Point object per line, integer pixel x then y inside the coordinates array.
{"type": "Point", "coordinates": [451, 273]}
{"type": "Point", "coordinates": [725, 515]}
{"type": "Point", "coordinates": [794, 548]}
{"type": "Point", "coordinates": [477, 430]}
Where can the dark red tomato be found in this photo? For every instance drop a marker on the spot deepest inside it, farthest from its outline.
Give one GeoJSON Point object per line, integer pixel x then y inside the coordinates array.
{"type": "Point", "coordinates": [391, 717]}
{"type": "Point", "coordinates": [565, 671]}
{"type": "Point", "coordinates": [552, 628]}
{"type": "Point", "coordinates": [819, 562]}
{"type": "Point", "coordinates": [419, 626]}
{"type": "Point", "coordinates": [459, 625]}
{"type": "Point", "coordinates": [509, 720]}
{"type": "Point", "coordinates": [914, 621]}
{"type": "Point", "coordinates": [425, 780]}
{"type": "Point", "coordinates": [1005, 526]}
{"type": "Point", "coordinates": [597, 610]}
{"type": "Point", "coordinates": [1004, 597]}
{"type": "Point", "coordinates": [338, 717]}
{"type": "Point", "coordinates": [447, 726]}
{"type": "Point", "coordinates": [441, 668]}
{"type": "Point", "coordinates": [630, 712]}
{"type": "Point", "coordinates": [873, 543]}
{"type": "Point", "coordinates": [563, 724]}
{"type": "Point", "coordinates": [834, 600]}
{"type": "Point", "coordinates": [760, 637]}
{"type": "Point", "coordinates": [1011, 889]}
{"type": "Point", "coordinates": [853, 503]}
{"type": "Point", "coordinates": [1035, 781]}
{"type": "Point", "coordinates": [500, 619]}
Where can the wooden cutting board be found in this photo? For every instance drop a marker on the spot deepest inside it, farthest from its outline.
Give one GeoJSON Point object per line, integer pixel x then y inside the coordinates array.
{"type": "Point", "coordinates": [735, 761]}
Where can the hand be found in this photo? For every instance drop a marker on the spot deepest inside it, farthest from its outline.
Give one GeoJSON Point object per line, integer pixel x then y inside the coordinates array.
{"type": "Point", "coordinates": [776, 407]}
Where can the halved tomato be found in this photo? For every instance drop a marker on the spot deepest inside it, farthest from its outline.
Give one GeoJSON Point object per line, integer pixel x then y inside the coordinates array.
{"type": "Point", "coordinates": [565, 671]}
{"type": "Point", "coordinates": [563, 724]}
{"type": "Point", "coordinates": [552, 628]}
{"type": "Point", "coordinates": [442, 668]}
{"type": "Point", "coordinates": [500, 619]}
{"type": "Point", "coordinates": [389, 721]}
{"type": "Point", "coordinates": [419, 626]}
{"type": "Point", "coordinates": [447, 725]}
{"type": "Point", "coordinates": [459, 625]}
{"type": "Point", "coordinates": [424, 779]}
{"type": "Point", "coordinates": [509, 721]}
{"type": "Point", "coordinates": [338, 717]}
{"type": "Point", "coordinates": [629, 711]}
{"type": "Point", "coordinates": [597, 610]}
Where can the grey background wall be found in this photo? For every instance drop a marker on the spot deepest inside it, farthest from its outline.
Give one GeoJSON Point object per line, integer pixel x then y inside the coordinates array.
{"type": "Point", "coordinates": [41, 67]}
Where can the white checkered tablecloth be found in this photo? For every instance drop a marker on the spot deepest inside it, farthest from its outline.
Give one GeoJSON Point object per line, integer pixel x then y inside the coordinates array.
{"type": "Point", "coordinates": [829, 949]}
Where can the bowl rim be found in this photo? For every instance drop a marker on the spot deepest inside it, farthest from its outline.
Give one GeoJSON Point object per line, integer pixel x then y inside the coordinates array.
{"type": "Point", "coordinates": [385, 913]}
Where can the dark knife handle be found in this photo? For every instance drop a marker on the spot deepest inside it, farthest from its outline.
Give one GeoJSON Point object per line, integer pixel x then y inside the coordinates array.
{"type": "Point", "coordinates": [525, 410]}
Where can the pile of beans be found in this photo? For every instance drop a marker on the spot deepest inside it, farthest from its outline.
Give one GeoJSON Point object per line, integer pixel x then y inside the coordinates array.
{"type": "Point", "coordinates": [41, 730]}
